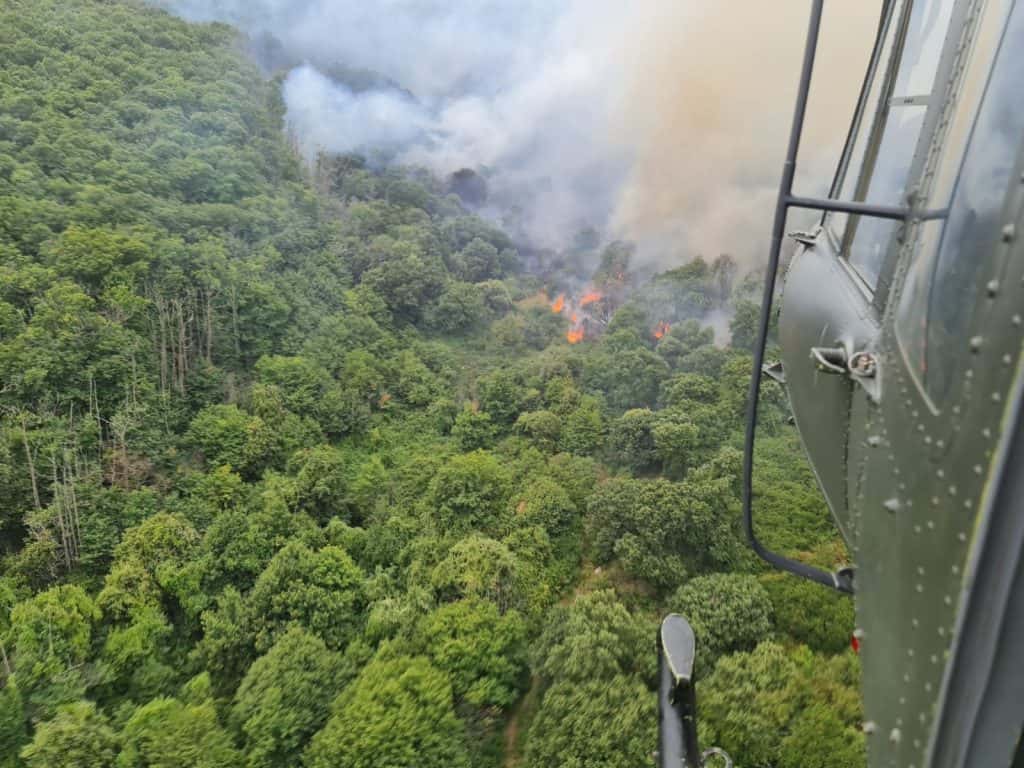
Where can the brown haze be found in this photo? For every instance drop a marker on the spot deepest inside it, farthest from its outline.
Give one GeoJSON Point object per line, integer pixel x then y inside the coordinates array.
{"type": "Point", "coordinates": [707, 109]}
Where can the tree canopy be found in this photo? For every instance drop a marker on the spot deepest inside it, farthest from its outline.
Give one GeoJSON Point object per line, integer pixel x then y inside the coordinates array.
{"type": "Point", "coordinates": [303, 462]}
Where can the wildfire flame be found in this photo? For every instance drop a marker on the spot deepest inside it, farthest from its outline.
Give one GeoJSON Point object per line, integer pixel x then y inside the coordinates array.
{"type": "Point", "coordinates": [661, 329]}
{"type": "Point", "coordinates": [590, 298]}
{"type": "Point", "coordinates": [574, 335]}
{"type": "Point", "coordinates": [574, 318]}
{"type": "Point", "coordinates": [559, 304]}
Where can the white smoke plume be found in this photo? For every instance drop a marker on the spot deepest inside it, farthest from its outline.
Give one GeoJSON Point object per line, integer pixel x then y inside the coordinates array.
{"type": "Point", "coordinates": [661, 121]}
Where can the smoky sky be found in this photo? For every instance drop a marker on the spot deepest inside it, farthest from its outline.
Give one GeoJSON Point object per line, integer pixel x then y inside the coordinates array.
{"type": "Point", "coordinates": [659, 121]}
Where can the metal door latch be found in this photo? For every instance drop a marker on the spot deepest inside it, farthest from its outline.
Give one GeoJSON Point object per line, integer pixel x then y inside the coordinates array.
{"type": "Point", "coordinates": [834, 360]}
{"type": "Point", "coordinates": [830, 359]}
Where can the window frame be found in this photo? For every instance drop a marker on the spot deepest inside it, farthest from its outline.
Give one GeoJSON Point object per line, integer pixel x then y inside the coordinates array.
{"type": "Point", "coordinates": [897, 12]}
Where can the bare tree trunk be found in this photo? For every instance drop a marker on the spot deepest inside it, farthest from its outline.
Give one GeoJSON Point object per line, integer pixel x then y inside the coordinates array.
{"type": "Point", "coordinates": [76, 528]}
{"type": "Point", "coordinates": [58, 505]}
{"type": "Point", "coordinates": [31, 462]}
{"type": "Point", "coordinates": [209, 326]}
{"type": "Point", "coordinates": [182, 345]}
{"type": "Point", "coordinates": [7, 663]}
{"type": "Point", "coordinates": [234, 320]}
{"type": "Point", "coordinates": [161, 312]}
{"type": "Point", "coordinates": [94, 409]}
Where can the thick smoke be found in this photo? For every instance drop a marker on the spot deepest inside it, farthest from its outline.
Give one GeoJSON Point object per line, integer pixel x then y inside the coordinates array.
{"type": "Point", "coordinates": [707, 111]}
{"type": "Point", "coordinates": [661, 121]}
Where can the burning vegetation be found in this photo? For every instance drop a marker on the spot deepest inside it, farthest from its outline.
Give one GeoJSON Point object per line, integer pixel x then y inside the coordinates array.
{"type": "Point", "coordinates": [586, 314]}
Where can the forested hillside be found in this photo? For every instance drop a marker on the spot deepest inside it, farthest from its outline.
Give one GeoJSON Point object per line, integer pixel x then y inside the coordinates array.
{"type": "Point", "coordinates": [299, 465]}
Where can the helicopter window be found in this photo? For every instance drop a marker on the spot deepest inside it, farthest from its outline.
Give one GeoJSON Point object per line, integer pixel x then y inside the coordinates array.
{"type": "Point", "coordinates": [854, 158]}
{"type": "Point", "coordinates": [902, 98]}
{"type": "Point", "coordinates": [934, 313]}
{"type": "Point", "coordinates": [920, 59]}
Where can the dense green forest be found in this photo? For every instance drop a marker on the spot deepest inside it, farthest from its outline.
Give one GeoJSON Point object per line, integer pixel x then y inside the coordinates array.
{"type": "Point", "coordinates": [299, 468]}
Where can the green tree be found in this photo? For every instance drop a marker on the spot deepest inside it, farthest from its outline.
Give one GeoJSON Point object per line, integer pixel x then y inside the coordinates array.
{"type": "Point", "coordinates": [595, 637]}
{"type": "Point", "coordinates": [398, 712]}
{"type": "Point", "coordinates": [473, 429]}
{"type": "Point", "coordinates": [748, 701]}
{"type": "Point", "coordinates": [321, 591]}
{"type": "Point", "coordinates": [631, 440]}
{"type": "Point", "coordinates": [481, 567]}
{"type": "Point", "coordinates": [743, 325]}
{"type": "Point", "coordinates": [482, 651]}
{"type": "Point", "coordinates": [728, 612]}
{"type": "Point", "coordinates": [12, 725]}
{"type": "Point", "coordinates": [610, 723]}
{"type": "Point", "coordinates": [321, 481]}
{"type": "Point", "coordinates": [78, 737]}
{"type": "Point", "coordinates": [542, 427]}
{"type": "Point", "coordinates": [584, 427]}
{"type": "Point", "coordinates": [469, 492]}
{"type": "Point", "coordinates": [52, 638]}
{"type": "Point", "coordinates": [166, 732]}
{"type": "Point", "coordinates": [223, 434]}
{"type": "Point", "coordinates": [810, 616]}
{"type": "Point", "coordinates": [284, 698]}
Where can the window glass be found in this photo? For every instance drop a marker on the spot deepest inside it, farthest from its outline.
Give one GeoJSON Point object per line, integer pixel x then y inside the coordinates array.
{"type": "Point", "coordinates": [912, 314]}
{"type": "Point", "coordinates": [851, 173]}
{"type": "Point", "coordinates": [883, 171]}
{"type": "Point", "coordinates": [871, 236]}
{"type": "Point", "coordinates": [940, 290]}
{"type": "Point", "coordinates": [929, 21]}
{"type": "Point", "coordinates": [971, 89]}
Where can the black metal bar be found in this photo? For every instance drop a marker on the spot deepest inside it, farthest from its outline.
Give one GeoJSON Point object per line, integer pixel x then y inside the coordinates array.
{"type": "Point", "coordinates": [863, 209]}
{"type": "Point", "coordinates": [778, 232]}
{"type": "Point", "coordinates": [823, 204]}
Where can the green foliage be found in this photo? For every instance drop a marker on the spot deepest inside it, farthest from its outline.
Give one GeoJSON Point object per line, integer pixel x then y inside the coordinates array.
{"type": "Point", "coordinates": [728, 612]}
{"type": "Point", "coordinates": [223, 434]}
{"type": "Point", "coordinates": [809, 613]}
{"type": "Point", "coordinates": [481, 567]}
{"type": "Point", "coordinates": [473, 429]}
{"type": "Point", "coordinates": [168, 732]}
{"type": "Point", "coordinates": [284, 698]}
{"type": "Point", "coordinates": [469, 492]}
{"type": "Point", "coordinates": [593, 654]}
{"type": "Point", "coordinates": [482, 651]}
{"type": "Point", "coordinates": [78, 737]}
{"type": "Point", "coordinates": [764, 703]}
{"type": "Point", "coordinates": [608, 722]}
{"type": "Point", "coordinates": [631, 440]}
{"type": "Point", "coordinates": [744, 324]}
{"type": "Point", "coordinates": [584, 427]}
{"type": "Point", "coordinates": [748, 702]}
{"type": "Point", "coordinates": [595, 637]}
{"type": "Point", "coordinates": [658, 529]}
{"type": "Point", "coordinates": [12, 725]}
{"type": "Point", "coordinates": [543, 428]}
{"type": "Point", "coordinates": [398, 712]}
{"type": "Point", "coordinates": [321, 591]}
{"type": "Point", "coordinates": [321, 481]}
{"type": "Point", "coordinates": [233, 449]}
{"type": "Point", "coordinates": [52, 638]}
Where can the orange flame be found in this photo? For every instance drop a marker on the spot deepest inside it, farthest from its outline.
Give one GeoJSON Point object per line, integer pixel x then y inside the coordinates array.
{"type": "Point", "coordinates": [559, 304]}
{"type": "Point", "coordinates": [575, 335]}
{"type": "Point", "coordinates": [574, 318]}
{"type": "Point", "coordinates": [590, 298]}
{"type": "Point", "coordinates": [661, 329]}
